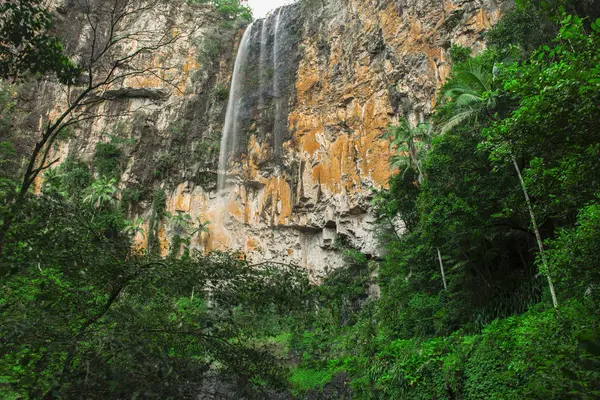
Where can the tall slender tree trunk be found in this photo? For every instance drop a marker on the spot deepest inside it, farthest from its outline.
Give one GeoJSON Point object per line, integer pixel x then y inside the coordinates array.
{"type": "Point", "coordinates": [442, 268]}
{"type": "Point", "coordinates": [538, 237]}
{"type": "Point", "coordinates": [413, 155]}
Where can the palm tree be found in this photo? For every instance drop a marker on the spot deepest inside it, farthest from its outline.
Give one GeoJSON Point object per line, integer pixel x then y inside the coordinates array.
{"type": "Point", "coordinates": [409, 142]}
{"type": "Point", "coordinates": [470, 93]}
{"type": "Point", "coordinates": [102, 192]}
{"type": "Point", "coordinates": [538, 236]}
{"type": "Point", "coordinates": [469, 90]}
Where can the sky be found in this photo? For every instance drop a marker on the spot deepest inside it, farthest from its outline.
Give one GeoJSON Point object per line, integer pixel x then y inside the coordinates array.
{"type": "Point", "coordinates": [260, 8]}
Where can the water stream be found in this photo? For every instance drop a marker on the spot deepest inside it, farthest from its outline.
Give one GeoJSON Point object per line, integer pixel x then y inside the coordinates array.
{"type": "Point", "coordinates": [278, 98]}
{"type": "Point", "coordinates": [230, 138]}
{"type": "Point", "coordinates": [262, 85]}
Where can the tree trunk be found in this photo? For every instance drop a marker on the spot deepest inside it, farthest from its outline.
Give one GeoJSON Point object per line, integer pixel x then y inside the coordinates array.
{"type": "Point", "coordinates": [538, 237]}
{"type": "Point", "coordinates": [413, 155]}
{"type": "Point", "coordinates": [442, 268]}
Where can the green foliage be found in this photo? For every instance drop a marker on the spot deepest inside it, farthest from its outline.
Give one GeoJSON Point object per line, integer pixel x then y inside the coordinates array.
{"type": "Point", "coordinates": [307, 379]}
{"type": "Point", "coordinates": [70, 180]}
{"type": "Point", "coordinates": [75, 175]}
{"type": "Point", "coordinates": [108, 160]}
{"type": "Point", "coordinates": [84, 315]}
{"type": "Point", "coordinates": [132, 195]}
{"type": "Point", "coordinates": [490, 333]}
{"type": "Point", "coordinates": [209, 50]}
{"type": "Point", "coordinates": [8, 166]}
{"type": "Point", "coordinates": [460, 54]}
{"type": "Point", "coordinates": [468, 94]}
{"type": "Point", "coordinates": [206, 150]}
{"type": "Point", "coordinates": [538, 355]}
{"type": "Point", "coordinates": [184, 230]}
{"type": "Point", "coordinates": [9, 160]}
{"type": "Point", "coordinates": [134, 227]}
{"type": "Point", "coordinates": [163, 164]}
{"type": "Point", "coordinates": [555, 91]}
{"type": "Point", "coordinates": [229, 9]}
{"type": "Point", "coordinates": [222, 92]}
{"type": "Point", "coordinates": [102, 193]}
{"type": "Point", "coordinates": [574, 250]}
{"type": "Point", "coordinates": [26, 46]}
{"type": "Point", "coordinates": [525, 27]}
{"type": "Point", "coordinates": [411, 143]}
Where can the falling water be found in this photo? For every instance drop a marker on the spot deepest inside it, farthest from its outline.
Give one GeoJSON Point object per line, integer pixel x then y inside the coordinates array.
{"type": "Point", "coordinates": [277, 134]}
{"type": "Point", "coordinates": [230, 137]}
{"type": "Point", "coordinates": [263, 59]}
{"type": "Point", "coordinates": [262, 85]}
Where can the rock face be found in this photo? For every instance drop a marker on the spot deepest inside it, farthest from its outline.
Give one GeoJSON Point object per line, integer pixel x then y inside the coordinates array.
{"type": "Point", "coordinates": [310, 147]}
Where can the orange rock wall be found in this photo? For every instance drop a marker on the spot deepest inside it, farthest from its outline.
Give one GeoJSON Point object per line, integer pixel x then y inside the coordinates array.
{"type": "Point", "coordinates": [364, 65]}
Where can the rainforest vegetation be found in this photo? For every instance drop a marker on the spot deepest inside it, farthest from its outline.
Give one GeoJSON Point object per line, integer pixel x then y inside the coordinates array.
{"type": "Point", "coordinates": [490, 291]}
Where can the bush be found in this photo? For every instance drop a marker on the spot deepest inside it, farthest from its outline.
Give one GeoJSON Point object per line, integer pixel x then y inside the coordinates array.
{"type": "Point", "coordinates": [460, 54]}
{"type": "Point", "coordinates": [229, 9]}
{"type": "Point", "coordinates": [107, 160]}
{"type": "Point", "coordinates": [306, 379]}
{"type": "Point", "coordinates": [574, 256]}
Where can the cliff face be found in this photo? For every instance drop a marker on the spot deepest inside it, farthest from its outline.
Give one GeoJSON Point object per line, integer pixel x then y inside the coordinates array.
{"type": "Point", "coordinates": [309, 145]}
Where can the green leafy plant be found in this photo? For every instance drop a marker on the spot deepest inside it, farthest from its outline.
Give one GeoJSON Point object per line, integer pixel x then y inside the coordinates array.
{"type": "Point", "coordinates": [28, 47]}
{"type": "Point", "coordinates": [102, 193]}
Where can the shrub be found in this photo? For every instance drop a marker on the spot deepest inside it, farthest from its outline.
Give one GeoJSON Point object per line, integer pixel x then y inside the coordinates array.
{"type": "Point", "coordinates": [107, 160]}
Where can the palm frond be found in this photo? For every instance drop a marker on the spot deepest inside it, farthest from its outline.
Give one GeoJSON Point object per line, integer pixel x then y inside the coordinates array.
{"type": "Point", "coordinates": [459, 119]}
{"type": "Point", "coordinates": [476, 77]}
{"type": "Point", "coordinates": [467, 100]}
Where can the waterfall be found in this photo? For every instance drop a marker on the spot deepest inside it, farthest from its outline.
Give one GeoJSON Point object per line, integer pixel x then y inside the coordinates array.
{"type": "Point", "coordinates": [277, 134]}
{"type": "Point", "coordinates": [264, 31]}
{"type": "Point", "coordinates": [261, 86]}
{"type": "Point", "coordinates": [230, 137]}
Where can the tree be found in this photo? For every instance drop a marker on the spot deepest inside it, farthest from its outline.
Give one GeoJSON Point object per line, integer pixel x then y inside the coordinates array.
{"type": "Point", "coordinates": [82, 314]}
{"type": "Point", "coordinates": [411, 142]}
{"type": "Point", "coordinates": [229, 9]}
{"type": "Point", "coordinates": [27, 47]}
{"type": "Point", "coordinates": [538, 236]}
{"type": "Point", "coordinates": [553, 127]}
{"type": "Point", "coordinates": [469, 91]}
{"type": "Point", "coordinates": [102, 192]}
{"type": "Point", "coordinates": [115, 52]}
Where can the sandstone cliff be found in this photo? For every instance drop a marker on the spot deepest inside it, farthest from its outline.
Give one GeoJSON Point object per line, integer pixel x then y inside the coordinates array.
{"type": "Point", "coordinates": [311, 149]}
